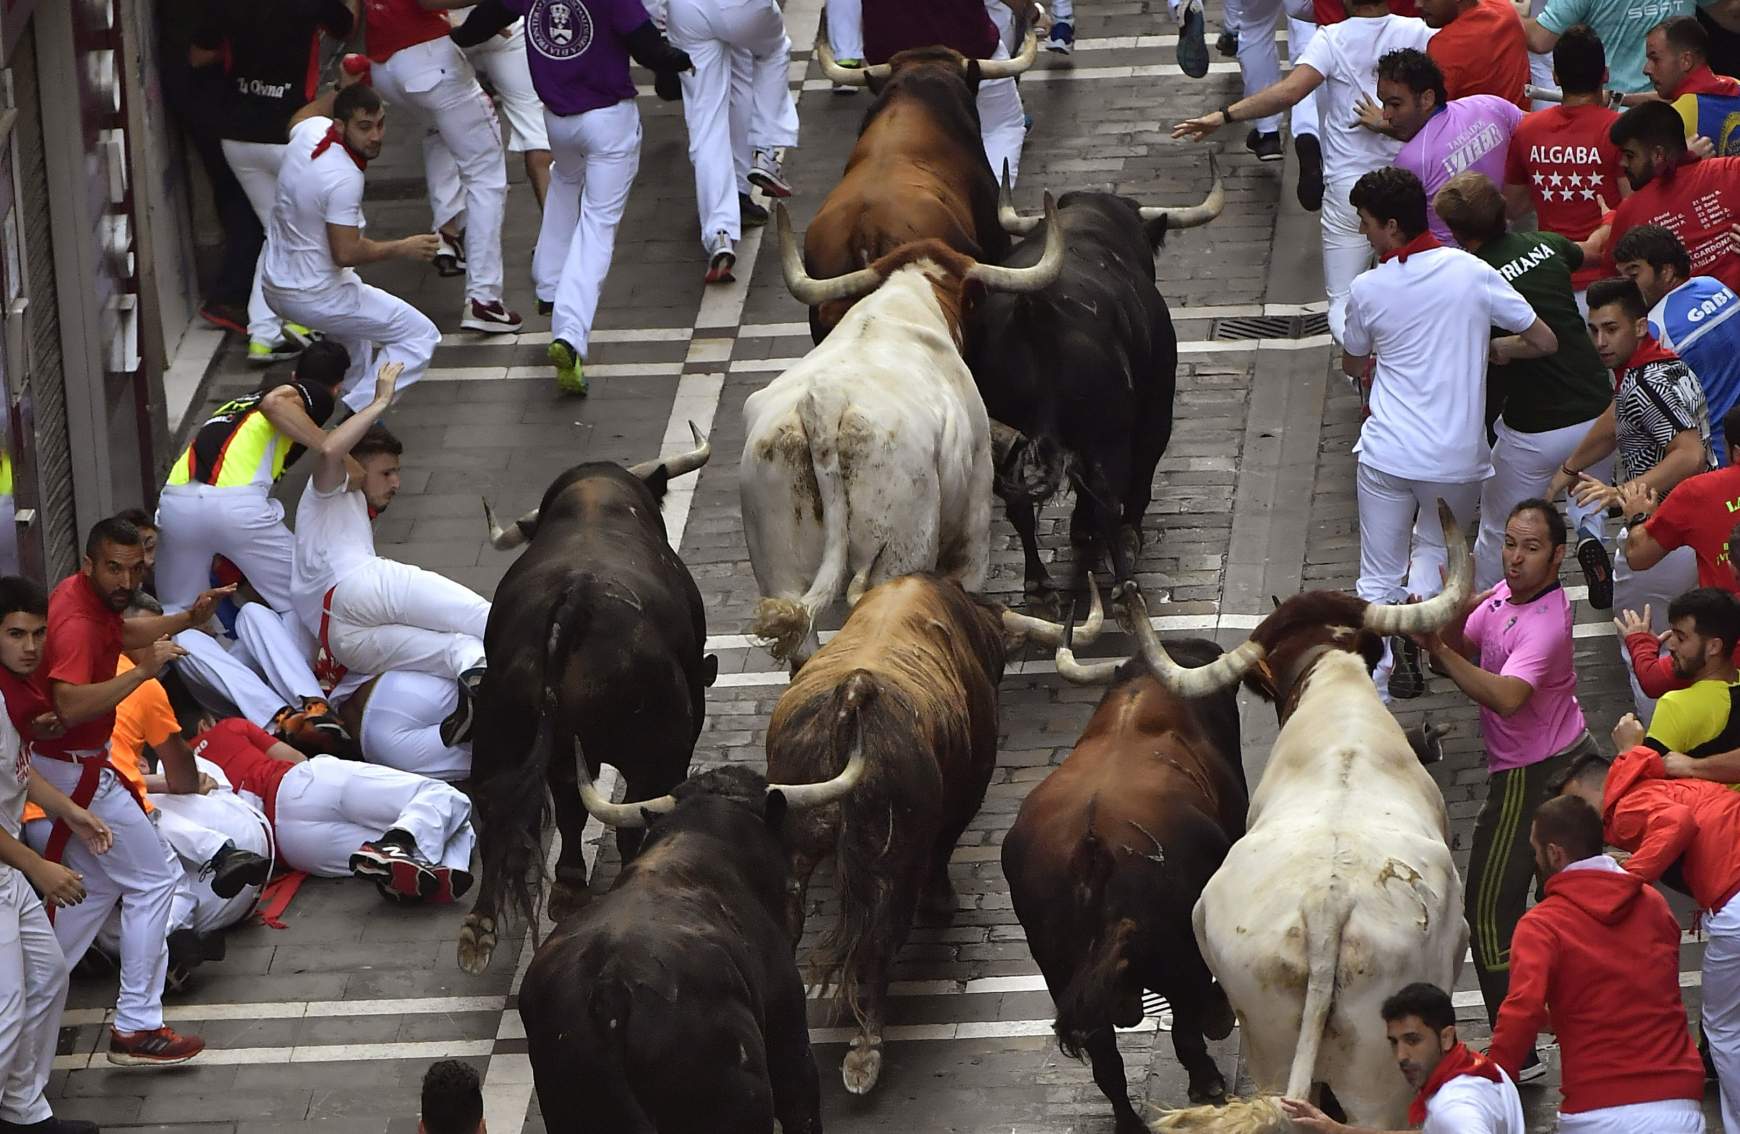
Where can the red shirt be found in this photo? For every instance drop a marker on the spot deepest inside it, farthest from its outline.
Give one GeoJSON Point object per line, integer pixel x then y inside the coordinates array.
{"type": "Point", "coordinates": [1328, 12]}
{"type": "Point", "coordinates": [24, 702]}
{"type": "Point", "coordinates": [83, 648]}
{"type": "Point", "coordinates": [394, 25]}
{"type": "Point", "coordinates": [961, 24]}
{"type": "Point", "coordinates": [1564, 156]}
{"type": "Point", "coordinates": [1702, 80]}
{"type": "Point", "coordinates": [1661, 821]}
{"type": "Point", "coordinates": [1482, 51]}
{"type": "Point", "coordinates": [239, 747]}
{"type": "Point", "coordinates": [1697, 202]}
{"type": "Point", "coordinates": [1700, 513]}
{"type": "Point", "coordinates": [1597, 963]}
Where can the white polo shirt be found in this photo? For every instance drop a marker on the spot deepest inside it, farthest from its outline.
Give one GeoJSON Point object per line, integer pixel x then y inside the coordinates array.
{"type": "Point", "coordinates": [333, 538]}
{"type": "Point", "coordinates": [312, 193]}
{"type": "Point", "coordinates": [1346, 55]}
{"type": "Point", "coordinates": [1429, 321]}
{"type": "Point", "coordinates": [1469, 1104]}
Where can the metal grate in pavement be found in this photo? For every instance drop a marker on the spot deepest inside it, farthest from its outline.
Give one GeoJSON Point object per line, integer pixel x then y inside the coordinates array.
{"type": "Point", "coordinates": [1241, 327]}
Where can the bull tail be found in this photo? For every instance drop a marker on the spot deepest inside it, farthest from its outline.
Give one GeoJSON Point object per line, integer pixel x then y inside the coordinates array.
{"type": "Point", "coordinates": [611, 1009]}
{"type": "Point", "coordinates": [784, 624]}
{"type": "Point", "coordinates": [866, 835]}
{"type": "Point", "coordinates": [1089, 1002]}
{"type": "Point", "coordinates": [517, 803]}
{"type": "Point", "coordinates": [1324, 922]}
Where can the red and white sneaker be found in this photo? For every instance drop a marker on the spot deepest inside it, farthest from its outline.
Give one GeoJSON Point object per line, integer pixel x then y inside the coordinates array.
{"type": "Point", "coordinates": [159, 1048]}
{"type": "Point", "coordinates": [403, 872]}
{"type": "Point", "coordinates": [451, 885]}
{"type": "Point", "coordinates": [721, 258]}
{"type": "Point", "coordinates": [767, 173]}
{"type": "Point", "coordinates": [491, 318]}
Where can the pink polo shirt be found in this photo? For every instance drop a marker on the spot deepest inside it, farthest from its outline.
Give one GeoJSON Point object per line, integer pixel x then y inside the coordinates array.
{"type": "Point", "coordinates": [1532, 641]}
{"type": "Point", "coordinates": [1469, 133]}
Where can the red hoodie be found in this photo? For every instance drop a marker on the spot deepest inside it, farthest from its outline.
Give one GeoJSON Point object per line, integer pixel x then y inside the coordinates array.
{"type": "Point", "coordinates": [1658, 820]}
{"type": "Point", "coordinates": [1597, 962]}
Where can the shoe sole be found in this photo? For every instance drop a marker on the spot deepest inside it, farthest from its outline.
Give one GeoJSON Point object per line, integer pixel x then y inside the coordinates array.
{"type": "Point", "coordinates": [447, 267]}
{"type": "Point", "coordinates": [303, 339]}
{"type": "Point", "coordinates": [482, 326]}
{"type": "Point", "coordinates": [269, 359]}
{"type": "Point", "coordinates": [843, 89]}
{"type": "Point", "coordinates": [1597, 573]}
{"type": "Point", "coordinates": [769, 184]}
{"type": "Point", "coordinates": [569, 379]}
{"type": "Point", "coordinates": [1192, 50]}
{"type": "Point", "coordinates": [124, 1059]}
{"type": "Point", "coordinates": [404, 878]}
{"type": "Point", "coordinates": [1406, 680]}
{"type": "Point", "coordinates": [1059, 48]}
{"type": "Point", "coordinates": [719, 271]}
{"type": "Point", "coordinates": [1268, 157]}
{"type": "Point", "coordinates": [255, 874]}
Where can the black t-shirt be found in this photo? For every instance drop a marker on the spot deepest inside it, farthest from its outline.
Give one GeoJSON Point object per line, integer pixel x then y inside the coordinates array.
{"type": "Point", "coordinates": [271, 58]}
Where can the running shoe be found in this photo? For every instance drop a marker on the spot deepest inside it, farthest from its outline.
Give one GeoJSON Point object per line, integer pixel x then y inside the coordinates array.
{"type": "Point", "coordinates": [1597, 568]}
{"type": "Point", "coordinates": [546, 307]}
{"type": "Point", "coordinates": [454, 884]}
{"type": "Point", "coordinates": [160, 1047]}
{"type": "Point", "coordinates": [1061, 41]}
{"type": "Point", "coordinates": [749, 213]}
{"type": "Point", "coordinates": [225, 316]}
{"type": "Point", "coordinates": [449, 256]}
{"type": "Point", "coordinates": [1310, 171]}
{"type": "Point", "coordinates": [232, 868]}
{"type": "Point", "coordinates": [389, 860]}
{"type": "Point", "coordinates": [1266, 147]}
{"type": "Point", "coordinates": [303, 337]}
{"type": "Point", "coordinates": [1407, 679]}
{"type": "Point", "coordinates": [456, 729]}
{"type": "Point", "coordinates": [766, 171]}
{"type": "Point", "coordinates": [1533, 1069]}
{"type": "Point", "coordinates": [264, 354]}
{"type": "Point", "coordinates": [490, 318]}
{"type": "Point", "coordinates": [1192, 50]}
{"type": "Point", "coordinates": [721, 258]}
{"type": "Point", "coordinates": [1227, 43]}
{"type": "Point", "coordinates": [847, 88]}
{"type": "Point", "coordinates": [570, 369]}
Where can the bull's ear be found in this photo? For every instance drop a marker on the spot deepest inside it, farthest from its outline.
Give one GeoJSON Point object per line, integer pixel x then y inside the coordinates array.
{"type": "Point", "coordinates": [774, 810]}
{"type": "Point", "coordinates": [874, 80]}
{"type": "Point", "coordinates": [974, 76]}
{"type": "Point", "coordinates": [709, 670]}
{"type": "Point", "coordinates": [656, 481]}
{"type": "Point", "coordinates": [973, 293]}
{"type": "Point", "coordinates": [648, 816]}
{"type": "Point", "coordinates": [1155, 230]}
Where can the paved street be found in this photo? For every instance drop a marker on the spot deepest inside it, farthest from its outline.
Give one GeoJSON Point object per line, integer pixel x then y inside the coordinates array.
{"type": "Point", "coordinates": [329, 1023]}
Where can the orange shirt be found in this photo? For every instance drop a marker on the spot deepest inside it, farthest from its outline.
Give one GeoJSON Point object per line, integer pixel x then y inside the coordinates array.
{"type": "Point", "coordinates": [1482, 51]}
{"type": "Point", "coordinates": [144, 718]}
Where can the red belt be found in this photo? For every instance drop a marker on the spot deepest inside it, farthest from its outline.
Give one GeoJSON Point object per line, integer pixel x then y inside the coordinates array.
{"type": "Point", "coordinates": [90, 774]}
{"type": "Point", "coordinates": [327, 671]}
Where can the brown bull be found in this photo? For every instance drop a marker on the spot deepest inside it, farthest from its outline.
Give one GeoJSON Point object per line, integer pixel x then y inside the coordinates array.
{"type": "Point", "coordinates": [918, 170]}
{"type": "Point", "coordinates": [1108, 856]}
{"type": "Point", "coordinates": [917, 666]}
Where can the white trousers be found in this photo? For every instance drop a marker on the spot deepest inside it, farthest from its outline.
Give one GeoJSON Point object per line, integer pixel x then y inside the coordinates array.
{"type": "Point", "coordinates": [327, 808]}
{"type": "Point", "coordinates": [282, 650]}
{"type": "Point", "coordinates": [388, 615]}
{"type": "Point", "coordinates": [434, 80]}
{"type": "Point", "coordinates": [181, 906]}
{"type": "Point", "coordinates": [504, 61]}
{"type": "Point", "coordinates": [1260, 59]}
{"type": "Point", "coordinates": [1676, 574]}
{"type": "Point", "coordinates": [1346, 251]}
{"type": "Point", "coordinates": [255, 165]}
{"type": "Point", "coordinates": [196, 827]}
{"type": "Point", "coordinates": [1523, 464]}
{"type": "Point", "coordinates": [244, 525]}
{"type": "Point", "coordinates": [401, 726]}
{"type": "Point", "coordinates": [225, 683]}
{"type": "Point", "coordinates": [33, 982]}
{"type": "Point", "coordinates": [375, 326]}
{"type": "Point", "coordinates": [710, 30]}
{"type": "Point", "coordinates": [1721, 1008]}
{"type": "Point", "coordinates": [846, 28]}
{"type": "Point", "coordinates": [1669, 1116]}
{"type": "Point", "coordinates": [594, 159]}
{"type": "Point", "coordinates": [1002, 122]}
{"type": "Point", "coordinates": [134, 873]}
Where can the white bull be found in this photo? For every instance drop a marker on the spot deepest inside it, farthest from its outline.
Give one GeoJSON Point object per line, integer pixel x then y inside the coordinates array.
{"type": "Point", "coordinates": [871, 458]}
{"type": "Point", "coordinates": [1343, 890]}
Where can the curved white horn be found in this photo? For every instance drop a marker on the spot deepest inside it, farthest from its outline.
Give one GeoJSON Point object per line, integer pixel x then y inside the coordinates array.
{"type": "Point", "coordinates": [1195, 214]}
{"type": "Point", "coordinates": [812, 292]}
{"type": "Point", "coordinates": [614, 814]}
{"type": "Point", "coordinates": [1228, 669]}
{"type": "Point", "coordinates": [1092, 673]}
{"type": "Point", "coordinates": [1437, 611]}
{"type": "Point", "coordinates": [800, 797]}
{"type": "Point", "coordinates": [1013, 222]}
{"type": "Point", "coordinates": [1041, 275]}
{"type": "Point", "coordinates": [504, 538]}
{"type": "Point", "coordinates": [1009, 68]}
{"type": "Point", "coordinates": [845, 76]}
{"type": "Point", "coordinates": [680, 464]}
{"type": "Point", "coordinates": [1051, 633]}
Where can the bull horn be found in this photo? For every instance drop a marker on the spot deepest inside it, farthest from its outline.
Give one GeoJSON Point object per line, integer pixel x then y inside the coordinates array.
{"type": "Point", "coordinates": [1052, 634]}
{"type": "Point", "coordinates": [1072, 671]}
{"type": "Point", "coordinates": [678, 465]}
{"type": "Point", "coordinates": [503, 539]}
{"type": "Point", "coordinates": [801, 797]}
{"type": "Point", "coordinates": [1009, 68]}
{"type": "Point", "coordinates": [812, 292]}
{"type": "Point", "coordinates": [1041, 275]}
{"type": "Point", "coordinates": [1196, 214]}
{"type": "Point", "coordinates": [1435, 612]}
{"type": "Point", "coordinates": [614, 814]}
{"type": "Point", "coordinates": [1013, 222]}
{"type": "Point", "coordinates": [845, 76]}
{"type": "Point", "coordinates": [1228, 669]}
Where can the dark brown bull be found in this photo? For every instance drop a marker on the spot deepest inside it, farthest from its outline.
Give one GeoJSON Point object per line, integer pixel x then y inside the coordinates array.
{"type": "Point", "coordinates": [917, 665]}
{"type": "Point", "coordinates": [918, 169]}
{"type": "Point", "coordinates": [1108, 856]}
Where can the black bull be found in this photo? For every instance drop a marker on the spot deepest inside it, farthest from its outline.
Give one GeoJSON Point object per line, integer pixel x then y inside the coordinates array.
{"type": "Point", "coordinates": [595, 636]}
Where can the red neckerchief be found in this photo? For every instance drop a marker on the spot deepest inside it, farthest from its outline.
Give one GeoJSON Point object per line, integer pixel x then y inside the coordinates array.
{"type": "Point", "coordinates": [1702, 80]}
{"type": "Point", "coordinates": [1458, 1061]}
{"type": "Point", "coordinates": [334, 134]}
{"type": "Point", "coordinates": [1420, 243]}
{"type": "Point", "coordinates": [1648, 351]}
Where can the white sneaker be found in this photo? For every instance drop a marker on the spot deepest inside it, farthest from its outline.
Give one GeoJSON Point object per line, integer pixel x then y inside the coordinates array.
{"type": "Point", "coordinates": [765, 170]}
{"type": "Point", "coordinates": [721, 258]}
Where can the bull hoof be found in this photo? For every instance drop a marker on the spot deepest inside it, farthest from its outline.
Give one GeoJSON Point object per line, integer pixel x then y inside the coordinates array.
{"type": "Point", "coordinates": [476, 943]}
{"type": "Point", "coordinates": [1210, 1090]}
{"type": "Point", "coordinates": [938, 902]}
{"type": "Point", "coordinates": [862, 1066]}
{"type": "Point", "coordinates": [567, 898]}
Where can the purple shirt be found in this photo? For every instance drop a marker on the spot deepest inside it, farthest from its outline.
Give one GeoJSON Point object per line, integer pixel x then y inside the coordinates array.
{"type": "Point", "coordinates": [1469, 133]}
{"type": "Point", "coordinates": [1531, 641]}
{"type": "Point", "coordinates": [577, 51]}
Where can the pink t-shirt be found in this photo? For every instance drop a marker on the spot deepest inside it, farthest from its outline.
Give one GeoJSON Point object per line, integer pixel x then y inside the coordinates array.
{"type": "Point", "coordinates": [1469, 133]}
{"type": "Point", "coordinates": [1531, 641]}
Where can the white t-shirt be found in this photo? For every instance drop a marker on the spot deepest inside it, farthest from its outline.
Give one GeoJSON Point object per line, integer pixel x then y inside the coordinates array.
{"type": "Point", "coordinates": [1346, 55]}
{"type": "Point", "coordinates": [14, 775]}
{"type": "Point", "coordinates": [1469, 1104]}
{"type": "Point", "coordinates": [1429, 322]}
{"type": "Point", "coordinates": [333, 538]}
{"type": "Point", "coordinates": [312, 193]}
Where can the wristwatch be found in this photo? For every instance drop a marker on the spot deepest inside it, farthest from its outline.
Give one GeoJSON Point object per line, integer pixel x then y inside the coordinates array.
{"type": "Point", "coordinates": [1636, 519]}
{"type": "Point", "coordinates": [1226, 113]}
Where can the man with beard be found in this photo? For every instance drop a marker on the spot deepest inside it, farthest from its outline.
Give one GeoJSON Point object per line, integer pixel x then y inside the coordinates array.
{"type": "Point", "coordinates": [1460, 1090]}
{"type": "Point", "coordinates": [1698, 201]}
{"type": "Point", "coordinates": [1699, 721]}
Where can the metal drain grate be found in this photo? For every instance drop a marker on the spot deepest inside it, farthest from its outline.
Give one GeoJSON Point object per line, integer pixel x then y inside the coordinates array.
{"type": "Point", "coordinates": [1269, 327]}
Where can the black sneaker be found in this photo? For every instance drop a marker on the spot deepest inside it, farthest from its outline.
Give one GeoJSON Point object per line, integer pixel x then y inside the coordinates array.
{"type": "Point", "coordinates": [1227, 43]}
{"type": "Point", "coordinates": [546, 307]}
{"type": "Point", "coordinates": [752, 214]}
{"type": "Point", "coordinates": [456, 729]}
{"type": "Point", "coordinates": [1533, 1069]}
{"type": "Point", "coordinates": [1266, 147]}
{"type": "Point", "coordinates": [1407, 680]}
{"type": "Point", "coordinates": [50, 1125]}
{"type": "Point", "coordinates": [1310, 171]}
{"type": "Point", "coordinates": [233, 868]}
{"type": "Point", "coordinates": [1597, 572]}
{"type": "Point", "coordinates": [1192, 51]}
{"type": "Point", "coordinates": [389, 862]}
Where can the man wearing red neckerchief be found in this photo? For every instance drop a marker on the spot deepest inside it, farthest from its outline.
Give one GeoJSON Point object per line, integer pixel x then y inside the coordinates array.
{"type": "Point", "coordinates": [1460, 1091]}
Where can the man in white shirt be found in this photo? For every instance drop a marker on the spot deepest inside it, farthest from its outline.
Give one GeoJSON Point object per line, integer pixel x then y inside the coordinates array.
{"type": "Point", "coordinates": [366, 612]}
{"type": "Point", "coordinates": [314, 243]}
{"type": "Point", "coordinates": [1460, 1091]}
{"type": "Point", "coordinates": [1340, 65]}
{"type": "Point", "coordinates": [1426, 313]}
